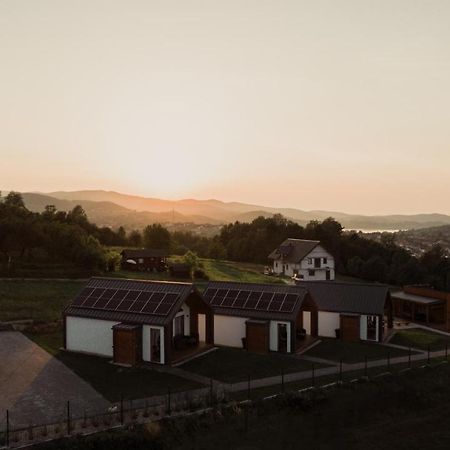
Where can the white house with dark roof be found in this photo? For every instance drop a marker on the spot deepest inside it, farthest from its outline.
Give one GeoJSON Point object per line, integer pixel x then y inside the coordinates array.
{"type": "Point", "coordinates": [303, 259]}
{"type": "Point", "coordinates": [359, 311]}
{"type": "Point", "coordinates": [134, 321]}
{"type": "Point", "coordinates": [261, 317]}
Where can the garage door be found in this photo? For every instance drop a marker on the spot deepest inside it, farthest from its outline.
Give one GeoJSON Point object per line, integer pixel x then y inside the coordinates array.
{"type": "Point", "coordinates": [229, 330]}
{"type": "Point", "coordinates": [89, 335]}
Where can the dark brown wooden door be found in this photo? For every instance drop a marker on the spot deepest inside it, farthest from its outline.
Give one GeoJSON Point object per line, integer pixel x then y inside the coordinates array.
{"type": "Point", "coordinates": [125, 348]}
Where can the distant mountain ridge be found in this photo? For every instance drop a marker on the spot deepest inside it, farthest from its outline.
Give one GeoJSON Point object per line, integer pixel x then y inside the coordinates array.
{"type": "Point", "coordinates": [109, 208]}
{"type": "Point", "coordinates": [105, 213]}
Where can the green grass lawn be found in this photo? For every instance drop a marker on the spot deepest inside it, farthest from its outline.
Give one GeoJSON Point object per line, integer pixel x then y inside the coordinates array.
{"type": "Point", "coordinates": [44, 300]}
{"type": "Point", "coordinates": [420, 339]}
{"type": "Point", "coordinates": [217, 270]}
{"type": "Point", "coordinates": [352, 352]}
{"type": "Point", "coordinates": [110, 380]}
{"type": "Point", "coordinates": [39, 300]}
{"type": "Point", "coordinates": [231, 365]}
{"type": "Point", "coordinates": [233, 271]}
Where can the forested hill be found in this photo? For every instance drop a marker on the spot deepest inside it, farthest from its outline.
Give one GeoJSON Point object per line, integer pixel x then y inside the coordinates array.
{"type": "Point", "coordinates": [53, 237]}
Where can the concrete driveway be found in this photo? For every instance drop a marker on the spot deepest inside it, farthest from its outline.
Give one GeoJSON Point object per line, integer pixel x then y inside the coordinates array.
{"type": "Point", "coordinates": [35, 386]}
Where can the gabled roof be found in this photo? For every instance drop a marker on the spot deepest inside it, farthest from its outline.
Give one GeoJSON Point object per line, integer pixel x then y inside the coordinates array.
{"type": "Point", "coordinates": [255, 301]}
{"type": "Point", "coordinates": [144, 253]}
{"type": "Point", "coordinates": [130, 301]}
{"type": "Point", "coordinates": [294, 250]}
{"type": "Point", "coordinates": [359, 298]}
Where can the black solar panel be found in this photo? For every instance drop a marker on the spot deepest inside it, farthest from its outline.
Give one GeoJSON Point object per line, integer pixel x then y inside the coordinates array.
{"type": "Point", "coordinates": [259, 300]}
{"type": "Point", "coordinates": [150, 307]}
{"type": "Point", "coordinates": [89, 302]}
{"type": "Point", "coordinates": [125, 305]}
{"type": "Point", "coordinates": [113, 304]}
{"type": "Point", "coordinates": [230, 297]}
{"type": "Point", "coordinates": [263, 304]}
{"type": "Point", "coordinates": [132, 295]}
{"type": "Point", "coordinates": [163, 308]}
{"type": "Point", "coordinates": [241, 299]}
{"type": "Point", "coordinates": [120, 294]}
{"type": "Point", "coordinates": [210, 293]}
{"type": "Point", "coordinates": [101, 302]}
{"type": "Point", "coordinates": [144, 296]}
{"type": "Point", "coordinates": [86, 292]}
{"type": "Point", "coordinates": [170, 298]}
{"type": "Point", "coordinates": [108, 293]}
{"type": "Point", "coordinates": [136, 306]}
{"type": "Point", "coordinates": [157, 297]}
{"type": "Point", "coordinates": [221, 293]}
{"type": "Point", "coordinates": [130, 298]}
{"type": "Point", "coordinates": [96, 293]}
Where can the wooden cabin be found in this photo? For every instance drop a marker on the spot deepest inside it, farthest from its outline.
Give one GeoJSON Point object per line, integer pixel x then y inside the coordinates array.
{"type": "Point", "coordinates": [144, 260]}
{"type": "Point", "coordinates": [423, 304]}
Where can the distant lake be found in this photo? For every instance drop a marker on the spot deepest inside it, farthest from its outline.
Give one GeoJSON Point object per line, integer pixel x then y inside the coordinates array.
{"type": "Point", "coordinates": [372, 231]}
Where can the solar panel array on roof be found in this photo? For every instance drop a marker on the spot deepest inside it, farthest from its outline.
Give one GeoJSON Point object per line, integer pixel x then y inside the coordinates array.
{"type": "Point", "coordinates": [249, 299]}
{"type": "Point", "coordinates": [127, 300]}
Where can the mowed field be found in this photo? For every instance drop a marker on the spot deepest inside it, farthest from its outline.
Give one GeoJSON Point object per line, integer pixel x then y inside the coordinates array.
{"type": "Point", "coordinates": [39, 300]}
{"type": "Point", "coordinates": [44, 300]}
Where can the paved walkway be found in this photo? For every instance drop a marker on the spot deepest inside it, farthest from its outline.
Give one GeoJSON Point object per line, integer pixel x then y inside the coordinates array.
{"type": "Point", "coordinates": [305, 375]}
{"type": "Point", "coordinates": [35, 386]}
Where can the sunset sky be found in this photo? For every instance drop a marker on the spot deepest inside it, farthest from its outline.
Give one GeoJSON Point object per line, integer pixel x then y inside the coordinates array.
{"type": "Point", "coordinates": [341, 105]}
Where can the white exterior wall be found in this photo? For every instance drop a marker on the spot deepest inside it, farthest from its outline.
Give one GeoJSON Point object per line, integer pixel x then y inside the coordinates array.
{"type": "Point", "coordinates": [89, 335]}
{"type": "Point", "coordinates": [202, 327]}
{"type": "Point", "coordinates": [307, 321]}
{"type": "Point", "coordinates": [229, 330]}
{"type": "Point", "coordinates": [328, 323]}
{"type": "Point", "coordinates": [320, 273]}
{"type": "Point", "coordinates": [147, 344]}
{"type": "Point", "coordinates": [303, 267]}
{"type": "Point", "coordinates": [363, 328]}
{"type": "Point", "coordinates": [273, 335]}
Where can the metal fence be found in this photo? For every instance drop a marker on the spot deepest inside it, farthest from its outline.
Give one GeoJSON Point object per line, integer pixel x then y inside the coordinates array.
{"type": "Point", "coordinates": [123, 413]}
{"type": "Point", "coordinates": [127, 411]}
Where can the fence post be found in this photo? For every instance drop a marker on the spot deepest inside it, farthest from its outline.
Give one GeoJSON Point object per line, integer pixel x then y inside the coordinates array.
{"type": "Point", "coordinates": [446, 351]}
{"type": "Point", "coordinates": [169, 401]}
{"type": "Point", "coordinates": [282, 380]}
{"type": "Point", "coordinates": [121, 409]}
{"type": "Point", "coordinates": [340, 370]}
{"type": "Point", "coordinates": [409, 358]}
{"type": "Point", "coordinates": [7, 428]}
{"type": "Point", "coordinates": [211, 392]}
{"type": "Point", "coordinates": [365, 366]}
{"type": "Point", "coordinates": [428, 354]}
{"type": "Point", "coordinates": [248, 388]}
{"type": "Point", "coordinates": [68, 417]}
{"type": "Point", "coordinates": [246, 417]}
{"type": "Point", "coordinates": [389, 362]}
{"type": "Point", "coordinates": [313, 375]}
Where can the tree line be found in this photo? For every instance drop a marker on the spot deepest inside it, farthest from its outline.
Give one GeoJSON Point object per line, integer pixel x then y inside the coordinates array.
{"type": "Point", "coordinates": [69, 236]}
